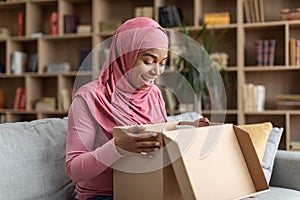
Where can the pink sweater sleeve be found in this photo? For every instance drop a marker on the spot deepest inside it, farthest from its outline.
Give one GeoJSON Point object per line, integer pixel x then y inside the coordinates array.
{"type": "Point", "coordinates": [88, 150]}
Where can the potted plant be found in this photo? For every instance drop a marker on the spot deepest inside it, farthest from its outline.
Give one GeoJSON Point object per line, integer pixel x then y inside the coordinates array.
{"type": "Point", "coordinates": [202, 75]}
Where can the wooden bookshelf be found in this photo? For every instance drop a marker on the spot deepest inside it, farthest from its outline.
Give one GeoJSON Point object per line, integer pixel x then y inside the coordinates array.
{"type": "Point", "coordinates": [238, 43]}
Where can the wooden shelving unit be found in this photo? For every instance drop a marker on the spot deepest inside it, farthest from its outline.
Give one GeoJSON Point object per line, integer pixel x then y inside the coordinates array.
{"type": "Point", "coordinates": [238, 43]}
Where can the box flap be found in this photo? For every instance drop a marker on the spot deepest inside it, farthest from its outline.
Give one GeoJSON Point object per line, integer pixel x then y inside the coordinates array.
{"type": "Point", "coordinates": [251, 159]}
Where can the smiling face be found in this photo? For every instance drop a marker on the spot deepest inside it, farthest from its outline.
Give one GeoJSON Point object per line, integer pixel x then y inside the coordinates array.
{"type": "Point", "coordinates": [148, 66]}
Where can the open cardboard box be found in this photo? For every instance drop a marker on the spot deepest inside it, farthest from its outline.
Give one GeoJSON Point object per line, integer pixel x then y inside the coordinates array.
{"type": "Point", "coordinates": [208, 163]}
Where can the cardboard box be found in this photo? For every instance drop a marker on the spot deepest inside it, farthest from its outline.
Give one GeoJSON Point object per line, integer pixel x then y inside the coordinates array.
{"type": "Point", "coordinates": [217, 162]}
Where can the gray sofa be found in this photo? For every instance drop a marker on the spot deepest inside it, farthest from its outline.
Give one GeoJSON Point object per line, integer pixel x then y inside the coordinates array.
{"type": "Point", "coordinates": [33, 155]}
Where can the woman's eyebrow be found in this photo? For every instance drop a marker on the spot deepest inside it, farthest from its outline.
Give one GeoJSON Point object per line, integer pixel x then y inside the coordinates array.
{"type": "Point", "coordinates": [153, 56]}
{"type": "Point", "coordinates": [149, 54]}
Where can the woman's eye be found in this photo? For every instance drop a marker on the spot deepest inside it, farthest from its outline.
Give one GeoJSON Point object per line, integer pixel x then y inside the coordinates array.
{"type": "Point", "coordinates": [148, 63]}
{"type": "Point", "coordinates": [162, 64]}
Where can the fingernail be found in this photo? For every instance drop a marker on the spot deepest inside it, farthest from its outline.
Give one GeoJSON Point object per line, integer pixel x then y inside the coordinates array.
{"type": "Point", "coordinates": [157, 144]}
{"type": "Point", "coordinates": [156, 149]}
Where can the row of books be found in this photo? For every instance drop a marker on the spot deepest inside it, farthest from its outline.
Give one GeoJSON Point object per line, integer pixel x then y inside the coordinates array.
{"type": "Point", "coordinates": [295, 145]}
{"type": "Point", "coordinates": [49, 103]}
{"type": "Point", "coordinates": [290, 14]}
{"type": "Point", "coordinates": [254, 11]}
{"type": "Point", "coordinates": [288, 101]}
{"type": "Point", "coordinates": [265, 52]}
{"type": "Point", "coordinates": [170, 16]}
{"type": "Point", "coordinates": [71, 25]}
{"type": "Point", "coordinates": [21, 62]}
{"type": "Point", "coordinates": [42, 104]}
{"type": "Point", "coordinates": [294, 51]}
{"type": "Point", "coordinates": [254, 97]}
{"type": "Point", "coordinates": [143, 11]}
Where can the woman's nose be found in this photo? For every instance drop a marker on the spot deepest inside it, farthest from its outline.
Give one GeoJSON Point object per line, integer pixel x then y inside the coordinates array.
{"type": "Point", "coordinates": [156, 69]}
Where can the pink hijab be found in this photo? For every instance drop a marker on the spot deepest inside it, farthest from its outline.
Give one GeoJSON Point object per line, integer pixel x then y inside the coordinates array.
{"type": "Point", "coordinates": [112, 99]}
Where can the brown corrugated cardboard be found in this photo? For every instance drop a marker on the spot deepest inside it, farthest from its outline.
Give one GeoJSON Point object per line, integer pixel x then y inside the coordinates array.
{"type": "Point", "coordinates": [217, 162]}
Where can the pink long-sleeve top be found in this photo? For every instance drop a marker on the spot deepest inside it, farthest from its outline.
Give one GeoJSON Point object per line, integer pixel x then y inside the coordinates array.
{"type": "Point", "coordinates": [89, 153]}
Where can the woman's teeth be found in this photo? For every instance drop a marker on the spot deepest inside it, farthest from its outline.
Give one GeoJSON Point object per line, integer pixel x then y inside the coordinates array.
{"type": "Point", "coordinates": [148, 81]}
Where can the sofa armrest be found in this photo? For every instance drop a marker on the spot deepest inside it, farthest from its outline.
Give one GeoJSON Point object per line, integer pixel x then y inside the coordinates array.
{"type": "Point", "coordinates": [286, 171]}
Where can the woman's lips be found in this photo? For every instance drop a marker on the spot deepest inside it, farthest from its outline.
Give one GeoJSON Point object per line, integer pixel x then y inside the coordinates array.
{"type": "Point", "coordinates": [148, 81]}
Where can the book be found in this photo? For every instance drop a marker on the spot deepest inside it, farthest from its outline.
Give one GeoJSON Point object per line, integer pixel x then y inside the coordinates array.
{"type": "Point", "coordinates": [65, 99]}
{"type": "Point", "coordinates": [259, 52]}
{"type": "Point", "coordinates": [85, 61]}
{"type": "Point", "coordinates": [17, 99]}
{"type": "Point", "coordinates": [295, 145]}
{"type": "Point", "coordinates": [1, 99]}
{"type": "Point", "coordinates": [297, 53]}
{"type": "Point", "coordinates": [292, 51]}
{"type": "Point", "coordinates": [247, 11]}
{"type": "Point", "coordinates": [109, 25]}
{"type": "Point", "coordinates": [143, 11]}
{"type": "Point", "coordinates": [70, 23]}
{"type": "Point", "coordinates": [252, 10]}
{"type": "Point", "coordinates": [288, 105]}
{"type": "Point", "coordinates": [22, 103]}
{"type": "Point", "coordinates": [254, 97]}
{"type": "Point", "coordinates": [18, 62]}
{"type": "Point", "coordinates": [45, 104]}
{"type": "Point", "coordinates": [288, 97]}
{"type": "Point", "coordinates": [84, 28]}
{"type": "Point", "coordinates": [53, 23]}
{"type": "Point", "coordinates": [290, 14]}
{"type": "Point", "coordinates": [265, 52]}
{"type": "Point", "coordinates": [58, 67]}
{"type": "Point", "coordinates": [32, 63]}
{"type": "Point", "coordinates": [271, 51]}
{"type": "Point", "coordinates": [169, 16]}
{"type": "Point", "coordinates": [218, 18]}
{"type": "Point", "coordinates": [262, 10]}
{"type": "Point", "coordinates": [257, 11]}
{"type": "Point", "coordinates": [4, 32]}
{"type": "Point", "coordinates": [21, 24]}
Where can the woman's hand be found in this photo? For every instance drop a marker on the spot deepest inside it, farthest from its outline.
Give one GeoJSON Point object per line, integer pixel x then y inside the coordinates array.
{"type": "Point", "coordinates": [137, 140]}
{"type": "Point", "coordinates": [203, 121]}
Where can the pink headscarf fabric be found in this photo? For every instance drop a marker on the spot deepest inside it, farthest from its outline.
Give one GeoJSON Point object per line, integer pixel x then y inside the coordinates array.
{"type": "Point", "coordinates": [114, 100]}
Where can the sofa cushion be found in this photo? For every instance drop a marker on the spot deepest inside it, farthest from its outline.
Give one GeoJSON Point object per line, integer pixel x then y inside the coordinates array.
{"type": "Point", "coordinates": [278, 193]}
{"type": "Point", "coordinates": [286, 172]}
{"type": "Point", "coordinates": [259, 134]}
{"type": "Point", "coordinates": [33, 160]}
{"type": "Point", "coordinates": [270, 152]}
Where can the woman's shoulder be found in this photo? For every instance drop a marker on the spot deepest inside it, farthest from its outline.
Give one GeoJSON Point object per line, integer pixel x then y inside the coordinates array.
{"type": "Point", "coordinates": [87, 88]}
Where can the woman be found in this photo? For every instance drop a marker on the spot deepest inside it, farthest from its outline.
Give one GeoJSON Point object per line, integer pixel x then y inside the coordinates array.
{"type": "Point", "coordinates": [124, 94]}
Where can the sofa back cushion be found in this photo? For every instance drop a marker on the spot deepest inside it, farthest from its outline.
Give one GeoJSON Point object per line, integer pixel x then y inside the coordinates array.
{"type": "Point", "coordinates": [33, 160]}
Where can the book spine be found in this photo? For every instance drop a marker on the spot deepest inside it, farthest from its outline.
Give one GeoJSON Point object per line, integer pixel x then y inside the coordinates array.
{"type": "Point", "coordinates": [17, 98]}
{"type": "Point", "coordinates": [259, 52]}
{"type": "Point", "coordinates": [292, 51]}
{"type": "Point", "coordinates": [262, 10]}
{"type": "Point", "coordinates": [21, 24]}
{"type": "Point", "coordinates": [247, 11]}
{"type": "Point", "coordinates": [265, 52]}
{"type": "Point", "coordinates": [53, 23]}
{"type": "Point", "coordinates": [2, 99]}
{"type": "Point", "coordinates": [272, 45]}
{"type": "Point", "coordinates": [257, 11]}
{"type": "Point", "coordinates": [297, 54]}
{"type": "Point", "coordinates": [22, 104]}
